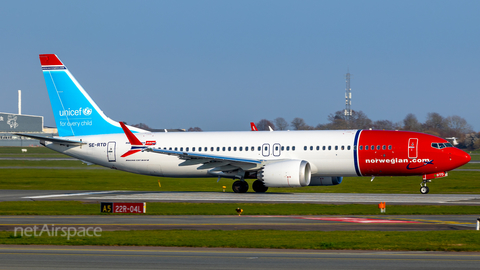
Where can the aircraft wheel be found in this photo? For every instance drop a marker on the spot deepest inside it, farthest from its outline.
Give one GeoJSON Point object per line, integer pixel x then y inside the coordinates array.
{"type": "Point", "coordinates": [424, 190]}
{"type": "Point", "coordinates": [240, 186]}
{"type": "Point", "coordinates": [259, 186]}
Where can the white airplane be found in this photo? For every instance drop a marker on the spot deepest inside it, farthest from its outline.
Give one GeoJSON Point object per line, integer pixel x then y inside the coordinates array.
{"type": "Point", "coordinates": [275, 159]}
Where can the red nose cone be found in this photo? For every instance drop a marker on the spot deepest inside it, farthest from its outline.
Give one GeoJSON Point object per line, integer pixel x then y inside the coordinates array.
{"type": "Point", "coordinates": [460, 158]}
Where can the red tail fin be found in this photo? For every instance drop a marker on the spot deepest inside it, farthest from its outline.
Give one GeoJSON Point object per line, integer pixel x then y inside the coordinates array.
{"type": "Point", "coordinates": [131, 137]}
{"type": "Point", "coordinates": [252, 125]}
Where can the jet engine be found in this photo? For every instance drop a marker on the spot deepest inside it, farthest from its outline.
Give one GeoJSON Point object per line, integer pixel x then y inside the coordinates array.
{"type": "Point", "coordinates": [325, 181]}
{"type": "Point", "coordinates": [290, 173]}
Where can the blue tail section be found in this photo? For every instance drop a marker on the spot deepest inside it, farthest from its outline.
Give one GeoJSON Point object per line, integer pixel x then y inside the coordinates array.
{"type": "Point", "coordinates": [76, 114]}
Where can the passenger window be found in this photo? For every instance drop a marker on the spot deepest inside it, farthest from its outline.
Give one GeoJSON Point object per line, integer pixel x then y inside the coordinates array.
{"type": "Point", "coordinates": [259, 148]}
{"type": "Point", "coordinates": [336, 147]}
{"type": "Point", "coordinates": [329, 147]}
{"type": "Point", "coordinates": [252, 148]}
{"type": "Point", "coordinates": [288, 148]}
{"type": "Point", "coordinates": [240, 148]}
{"type": "Point", "coordinates": [283, 147]}
{"type": "Point", "coordinates": [193, 149]}
{"type": "Point", "coordinates": [348, 147]}
{"type": "Point", "coordinates": [199, 149]}
{"type": "Point", "coordinates": [170, 148]}
{"type": "Point", "coordinates": [229, 148]}
{"type": "Point", "coordinates": [181, 149]}
{"type": "Point", "coordinates": [361, 147]}
{"type": "Point", "coordinates": [343, 147]}
{"type": "Point", "coordinates": [218, 149]}
{"type": "Point", "coordinates": [384, 147]}
{"type": "Point", "coordinates": [323, 148]}
{"type": "Point", "coordinates": [246, 148]}
{"type": "Point", "coordinates": [366, 147]}
{"type": "Point", "coordinates": [318, 147]}
{"type": "Point", "coordinates": [373, 147]}
{"type": "Point", "coordinates": [212, 149]}
{"type": "Point", "coordinates": [305, 148]}
{"type": "Point", "coordinates": [234, 148]}
{"type": "Point", "coordinates": [389, 147]}
{"type": "Point", "coordinates": [187, 149]}
{"type": "Point", "coordinates": [276, 148]}
{"type": "Point", "coordinates": [378, 147]}
{"type": "Point", "coordinates": [223, 149]}
{"type": "Point", "coordinates": [311, 148]}
{"type": "Point", "coordinates": [176, 149]}
{"type": "Point", "coordinates": [205, 149]}
{"type": "Point", "coordinates": [293, 148]}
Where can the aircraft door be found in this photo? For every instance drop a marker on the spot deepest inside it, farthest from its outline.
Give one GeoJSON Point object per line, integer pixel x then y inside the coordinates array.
{"type": "Point", "coordinates": [266, 149]}
{"type": "Point", "coordinates": [277, 149]}
{"type": "Point", "coordinates": [413, 148]}
{"type": "Point", "coordinates": [111, 152]}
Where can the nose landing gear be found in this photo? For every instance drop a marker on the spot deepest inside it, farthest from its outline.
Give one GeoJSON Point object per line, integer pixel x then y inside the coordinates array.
{"type": "Point", "coordinates": [423, 187]}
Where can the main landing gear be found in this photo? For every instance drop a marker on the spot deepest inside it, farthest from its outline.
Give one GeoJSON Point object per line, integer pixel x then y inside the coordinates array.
{"type": "Point", "coordinates": [240, 186]}
{"type": "Point", "coordinates": [423, 187]}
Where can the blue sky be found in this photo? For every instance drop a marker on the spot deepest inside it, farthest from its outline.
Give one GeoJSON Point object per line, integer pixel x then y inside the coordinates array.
{"type": "Point", "coordinates": [220, 64]}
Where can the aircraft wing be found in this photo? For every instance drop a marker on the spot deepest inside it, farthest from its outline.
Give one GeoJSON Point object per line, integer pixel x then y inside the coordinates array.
{"type": "Point", "coordinates": [218, 163]}
{"type": "Point", "coordinates": [53, 140]}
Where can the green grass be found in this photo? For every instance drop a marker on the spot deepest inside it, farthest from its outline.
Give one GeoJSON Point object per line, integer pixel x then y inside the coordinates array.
{"type": "Point", "coordinates": [356, 240]}
{"type": "Point", "coordinates": [162, 208]}
{"type": "Point", "coordinates": [83, 179]}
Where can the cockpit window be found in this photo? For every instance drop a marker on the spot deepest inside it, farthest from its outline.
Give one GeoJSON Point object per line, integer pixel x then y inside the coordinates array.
{"type": "Point", "coordinates": [441, 145]}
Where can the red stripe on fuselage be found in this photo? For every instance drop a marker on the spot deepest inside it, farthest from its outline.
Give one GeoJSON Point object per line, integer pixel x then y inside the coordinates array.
{"type": "Point", "coordinates": [424, 159]}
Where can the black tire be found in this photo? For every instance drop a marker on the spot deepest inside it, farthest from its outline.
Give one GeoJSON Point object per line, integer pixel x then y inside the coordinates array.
{"type": "Point", "coordinates": [240, 186]}
{"type": "Point", "coordinates": [424, 190]}
{"type": "Point", "coordinates": [259, 187]}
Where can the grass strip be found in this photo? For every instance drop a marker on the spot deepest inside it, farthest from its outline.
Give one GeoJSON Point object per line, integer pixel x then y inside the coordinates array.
{"type": "Point", "coordinates": [458, 182]}
{"type": "Point", "coordinates": [339, 240]}
{"type": "Point", "coordinates": [164, 208]}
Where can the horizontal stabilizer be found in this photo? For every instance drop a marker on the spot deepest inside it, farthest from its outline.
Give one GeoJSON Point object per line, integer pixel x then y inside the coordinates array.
{"type": "Point", "coordinates": [53, 140]}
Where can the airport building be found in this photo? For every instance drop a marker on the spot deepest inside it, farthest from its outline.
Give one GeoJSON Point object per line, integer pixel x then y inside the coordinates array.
{"type": "Point", "coordinates": [10, 124]}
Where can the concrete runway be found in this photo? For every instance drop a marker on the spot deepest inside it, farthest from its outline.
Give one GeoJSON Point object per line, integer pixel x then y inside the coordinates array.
{"type": "Point", "coordinates": [234, 222]}
{"type": "Point", "coordinates": [67, 257]}
{"type": "Point", "coordinates": [149, 196]}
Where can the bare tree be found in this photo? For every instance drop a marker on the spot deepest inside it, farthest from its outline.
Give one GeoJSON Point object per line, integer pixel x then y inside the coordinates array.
{"type": "Point", "coordinates": [411, 123]}
{"type": "Point", "coordinates": [385, 125]}
{"type": "Point", "coordinates": [264, 124]}
{"type": "Point", "coordinates": [195, 129]}
{"type": "Point", "coordinates": [458, 125]}
{"type": "Point", "coordinates": [299, 124]}
{"type": "Point", "coordinates": [281, 123]}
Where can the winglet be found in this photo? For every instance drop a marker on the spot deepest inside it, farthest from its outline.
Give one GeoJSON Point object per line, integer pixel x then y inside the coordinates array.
{"type": "Point", "coordinates": [252, 125]}
{"type": "Point", "coordinates": [131, 137]}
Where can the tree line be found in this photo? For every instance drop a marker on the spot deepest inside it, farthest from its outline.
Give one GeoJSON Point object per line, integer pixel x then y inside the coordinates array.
{"type": "Point", "coordinates": [435, 124]}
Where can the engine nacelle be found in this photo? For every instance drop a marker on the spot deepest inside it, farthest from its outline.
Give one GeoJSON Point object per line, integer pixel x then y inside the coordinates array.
{"type": "Point", "coordinates": [290, 173]}
{"type": "Point", "coordinates": [325, 181]}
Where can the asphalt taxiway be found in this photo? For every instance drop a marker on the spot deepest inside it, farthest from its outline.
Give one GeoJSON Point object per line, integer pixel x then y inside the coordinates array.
{"type": "Point", "coordinates": [88, 257]}
{"type": "Point", "coordinates": [234, 222]}
{"type": "Point", "coordinates": [269, 197]}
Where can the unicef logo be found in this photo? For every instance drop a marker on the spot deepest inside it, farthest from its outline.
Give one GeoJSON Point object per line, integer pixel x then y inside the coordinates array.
{"type": "Point", "coordinates": [87, 111]}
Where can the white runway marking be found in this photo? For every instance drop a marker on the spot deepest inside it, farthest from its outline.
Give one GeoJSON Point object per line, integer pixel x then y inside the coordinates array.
{"type": "Point", "coordinates": [295, 197]}
{"type": "Point", "coordinates": [70, 194]}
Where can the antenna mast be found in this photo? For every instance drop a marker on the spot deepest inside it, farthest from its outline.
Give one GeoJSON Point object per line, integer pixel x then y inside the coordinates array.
{"type": "Point", "coordinates": [348, 99]}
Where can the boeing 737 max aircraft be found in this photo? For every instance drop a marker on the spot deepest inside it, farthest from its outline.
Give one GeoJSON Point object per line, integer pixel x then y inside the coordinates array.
{"type": "Point", "coordinates": [275, 159]}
